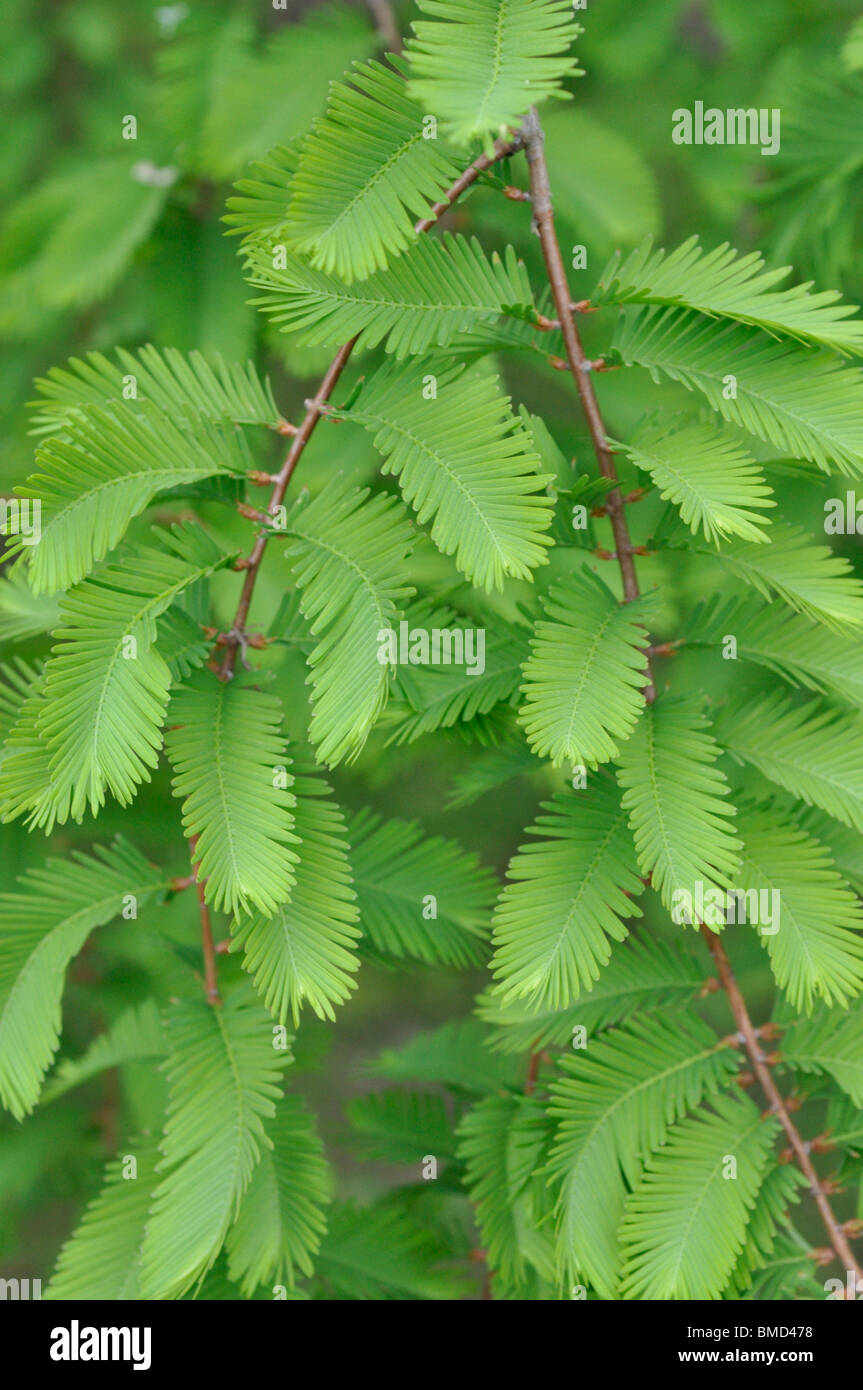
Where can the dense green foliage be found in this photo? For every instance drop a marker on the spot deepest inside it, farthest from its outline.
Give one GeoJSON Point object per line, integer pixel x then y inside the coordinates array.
{"type": "Point", "coordinates": [321, 1107]}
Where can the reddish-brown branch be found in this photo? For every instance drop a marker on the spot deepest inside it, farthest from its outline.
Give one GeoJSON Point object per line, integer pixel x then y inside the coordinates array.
{"type": "Point", "coordinates": [577, 361]}
{"type": "Point", "coordinates": [315, 409]}
{"type": "Point", "coordinates": [532, 1073]}
{"type": "Point", "coordinates": [579, 366]}
{"type": "Point", "coordinates": [778, 1106]}
{"type": "Point", "coordinates": [298, 444]}
{"type": "Point", "coordinates": [236, 640]}
{"type": "Point", "coordinates": [385, 23]}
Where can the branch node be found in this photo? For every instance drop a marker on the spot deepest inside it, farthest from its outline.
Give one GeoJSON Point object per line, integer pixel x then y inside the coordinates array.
{"type": "Point", "coordinates": [822, 1255]}
{"type": "Point", "coordinates": [252, 514]}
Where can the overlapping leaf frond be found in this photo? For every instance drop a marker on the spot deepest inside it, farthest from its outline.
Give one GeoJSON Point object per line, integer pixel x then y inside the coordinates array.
{"type": "Point", "coordinates": [842, 842]}
{"type": "Point", "coordinates": [614, 1106]}
{"type": "Point", "coordinates": [814, 657]}
{"type": "Point", "coordinates": [349, 553]}
{"type": "Point", "coordinates": [435, 290]}
{"type": "Point", "coordinates": [831, 1045]}
{"type": "Point", "coordinates": [260, 209]}
{"type": "Point", "coordinates": [716, 485]}
{"type": "Point", "coordinates": [101, 1259]}
{"type": "Point", "coordinates": [421, 897]}
{"type": "Point", "coordinates": [231, 765]}
{"type": "Point", "coordinates": [102, 470]}
{"type": "Point", "coordinates": [777, 1193]}
{"type": "Point", "coordinates": [382, 1252]}
{"type": "Point", "coordinates": [805, 403]}
{"type": "Point", "coordinates": [465, 464]}
{"type": "Point", "coordinates": [677, 800]}
{"type": "Point", "coordinates": [185, 386]}
{"type": "Point", "coordinates": [453, 1055]}
{"type": "Point", "coordinates": [724, 284]}
{"type": "Point", "coordinates": [228, 99]}
{"type": "Point", "coordinates": [282, 1218]}
{"type": "Point", "coordinates": [26, 782]}
{"type": "Point", "coordinates": [569, 896]}
{"type": "Point", "coordinates": [18, 680]}
{"type": "Point", "coordinates": [457, 694]}
{"type": "Point", "coordinates": [45, 922]}
{"type": "Point", "coordinates": [135, 1035]}
{"type": "Point", "coordinates": [686, 1222]}
{"type": "Point", "coordinates": [584, 678]}
{"type": "Point", "coordinates": [367, 170]}
{"type": "Point", "coordinates": [643, 974]}
{"type": "Point", "coordinates": [402, 1127]}
{"type": "Point", "coordinates": [223, 1075]}
{"type": "Point", "coordinates": [478, 65]}
{"type": "Point", "coordinates": [811, 750]}
{"type": "Point", "coordinates": [810, 578]}
{"type": "Point", "coordinates": [306, 951]}
{"type": "Point", "coordinates": [815, 934]}
{"type": "Point", "coordinates": [22, 613]}
{"type": "Point", "coordinates": [502, 1142]}
{"type": "Point", "coordinates": [489, 772]}
{"type": "Point", "coordinates": [106, 684]}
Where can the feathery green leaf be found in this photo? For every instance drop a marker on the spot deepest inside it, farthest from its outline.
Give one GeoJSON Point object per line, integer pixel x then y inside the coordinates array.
{"type": "Point", "coordinates": [723, 284]}
{"type": "Point", "coordinates": [803, 402]}
{"type": "Point", "coordinates": [614, 1106]}
{"type": "Point", "coordinates": [686, 1222]}
{"type": "Point", "coordinates": [465, 464]}
{"type": "Point", "coordinates": [569, 896]}
{"type": "Point", "coordinates": [366, 171]}
{"type": "Point", "coordinates": [349, 552]}
{"type": "Point", "coordinates": [585, 675]}
{"type": "Point", "coordinates": [306, 951]}
{"type": "Point", "coordinates": [435, 290]}
{"type": "Point", "coordinates": [223, 1074]}
{"type": "Point", "coordinates": [716, 485]}
{"type": "Point", "coordinates": [42, 926]}
{"type": "Point", "coordinates": [478, 65]}
{"type": "Point", "coordinates": [230, 765]}
{"type": "Point", "coordinates": [420, 897]}
{"type": "Point", "coordinates": [676, 799]}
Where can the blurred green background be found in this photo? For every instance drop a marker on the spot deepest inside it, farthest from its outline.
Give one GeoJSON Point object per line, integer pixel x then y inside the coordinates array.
{"type": "Point", "coordinates": [110, 241]}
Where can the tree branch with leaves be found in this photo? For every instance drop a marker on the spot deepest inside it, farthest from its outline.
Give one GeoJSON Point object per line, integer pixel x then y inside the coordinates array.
{"type": "Point", "coordinates": [590, 1117]}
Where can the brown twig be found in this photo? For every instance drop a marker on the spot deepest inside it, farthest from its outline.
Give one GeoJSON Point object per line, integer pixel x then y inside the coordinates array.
{"type": "Point", "coordinates": [543, 214]}
{"type": "Point", "coordinates": [778, 1105]}
{"type": "Point", "coordinates": [299, 442]}
{"type": "Point", "coordinates": [316, 406]}
{"type": "Point", "coordinates": [236, 640]}
{"type": "Point", "coordinates": [385, 23]}
{"type": "Point", "coordinates": [532, 1073]}
{"type": "Point", "coordinates": [577, 361]}
{"type": "Point", "coordinates": [625, 553]}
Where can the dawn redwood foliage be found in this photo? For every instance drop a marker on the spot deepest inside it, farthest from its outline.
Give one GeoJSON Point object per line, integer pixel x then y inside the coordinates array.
{"type": "Point", "coordinates": [613, 1130]}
